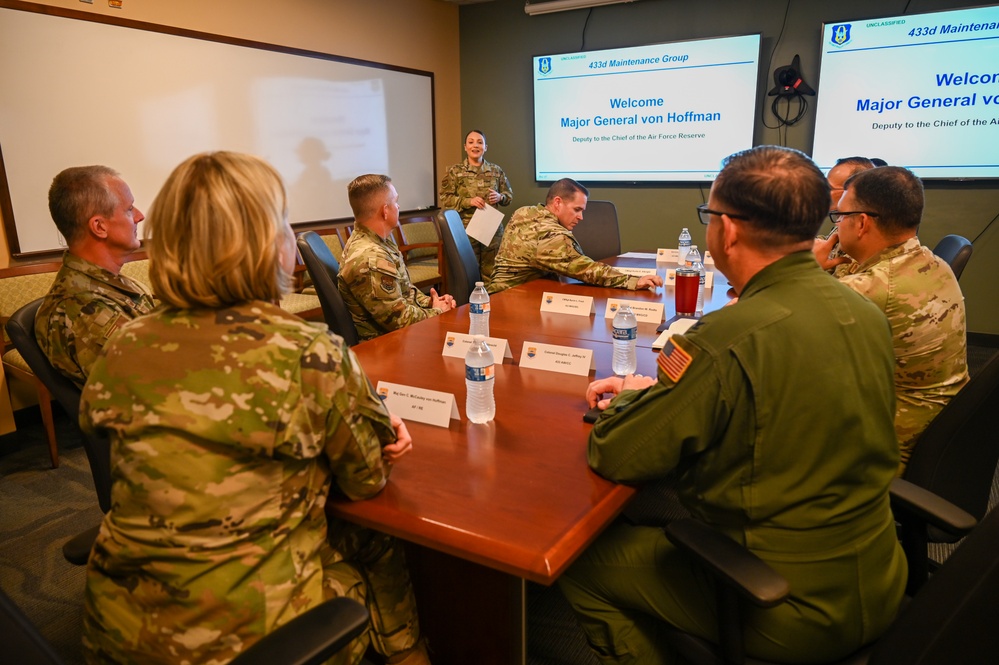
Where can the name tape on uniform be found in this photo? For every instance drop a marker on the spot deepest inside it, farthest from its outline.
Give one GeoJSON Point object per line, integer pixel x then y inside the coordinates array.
{"type": "Point", "coordinates": [419, 404]}
{"type": "Point", "coordinates": [456, 346]}
{"type": "Point", "coordinates": [646, 312]}
{"type": "Point", "coordinates": [564, 303]}
{"type": "Point", "coordinates": [554, 358]}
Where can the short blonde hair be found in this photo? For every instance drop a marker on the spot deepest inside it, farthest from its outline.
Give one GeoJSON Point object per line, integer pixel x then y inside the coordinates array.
{"type": "Point", "coordinates": [214, 232]}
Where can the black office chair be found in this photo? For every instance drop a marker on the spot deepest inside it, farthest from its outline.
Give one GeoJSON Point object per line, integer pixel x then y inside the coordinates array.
{"type": "Point", "coordinates": [955, 250]}
{"type": "Point", "coordinates": [956, 455]}
{"type": "Point", "coordinates": [948, 621]}
{"type": "Point", "coordinates": [323, 268]}
{"type": "Point", "coordinates": [598, 234]}
{"type": "Point", "coordinates": [462, 266]}
{"type": "Point", "coordinates": [309, 639]}
{"type": "Point", "coordinates": [21, 330]}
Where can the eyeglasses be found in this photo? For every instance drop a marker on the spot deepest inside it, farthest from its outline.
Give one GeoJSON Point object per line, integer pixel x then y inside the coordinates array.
{"type": "Point", "coordinates": [837, 216]}
{"type": "Point", "coordinates": [704, 214]}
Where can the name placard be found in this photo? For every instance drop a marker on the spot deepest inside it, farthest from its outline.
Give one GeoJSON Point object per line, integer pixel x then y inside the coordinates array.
{"type": "Point", "coordinates": [419, 404]}
{"type": "Point", "coordinates": [709, 278]}
{"type": "Point", "coordinates": [647, 312]}
{"type": "Point", "coordinates": [665, 255]}
{"type": "Point", "coordinates": [636, 272]}
{"type": "Point", "coordinates": [564, 303]}
{"type": "Point", "coordinates": [456, 346]}
{"type": "Point", "coordinates": [554, 358]}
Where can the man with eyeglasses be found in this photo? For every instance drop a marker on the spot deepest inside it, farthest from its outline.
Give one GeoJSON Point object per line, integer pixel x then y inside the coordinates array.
{"type": "Point", "coordinates": [775, 446]}
{"type": "Point", "coordinates": [877, 219]}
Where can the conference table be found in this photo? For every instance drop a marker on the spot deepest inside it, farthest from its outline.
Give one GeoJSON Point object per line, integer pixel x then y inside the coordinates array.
{"type": "Point", "coordinates": [486, 507]}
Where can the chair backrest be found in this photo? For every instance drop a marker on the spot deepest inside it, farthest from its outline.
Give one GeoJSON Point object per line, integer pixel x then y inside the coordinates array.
{"type": "Point", "coordinates": [138, 270]}
{"type": "Point", "coordinates": [598, 234]}
{"type": "Point", "coordinates": [956, 455]}
{"type": "Point", "coordinates": [20, 328]}
{"type": "Point", "coordinates": [955, 250]}
{"type": "Point", "coordinates": [323, 269]}
{"type": "Point", "coordinates": [311, 638]}
{"type": "Point", "coordinates": [462, 266]}
{"type": "Point", "coordinates": [951, 619]}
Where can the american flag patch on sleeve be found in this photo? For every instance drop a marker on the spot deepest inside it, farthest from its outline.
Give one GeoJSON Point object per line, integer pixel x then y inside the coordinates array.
{"type": "Point", "coordinates": [673, 361]}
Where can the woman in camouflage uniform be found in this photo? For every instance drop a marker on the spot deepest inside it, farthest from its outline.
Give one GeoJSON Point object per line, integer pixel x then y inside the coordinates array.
{"type": "Point", "coordinates": [228, 420]}
{"type": "Point", "coordinates": [471, 185]}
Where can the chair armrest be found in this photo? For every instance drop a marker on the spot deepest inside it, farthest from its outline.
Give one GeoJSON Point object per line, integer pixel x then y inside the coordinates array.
{"type": "Point", "coordinates": [310, 638]}
{"type": "Point", "coordinates": [929, 508]}
{"type": "Point", "coordinates": [751, 577]}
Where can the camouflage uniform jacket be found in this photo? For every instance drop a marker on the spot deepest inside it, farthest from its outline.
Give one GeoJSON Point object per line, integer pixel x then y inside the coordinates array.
{"type": "Point", "coordinates": [226, 428]}
{"type": "Point", "coordinates": [85, 305]}
{"type": "Point", "coordinates": [463, 182]}
{"type": "Point", "coordinates": [536, 245]}
{"type": "Point", "coordinates": [375, 286]}
{"type": "Point", "coordinates": [923, 302]}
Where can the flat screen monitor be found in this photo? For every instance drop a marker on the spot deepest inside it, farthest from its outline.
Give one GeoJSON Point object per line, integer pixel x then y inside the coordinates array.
{"type": "Point", "coordinates": [662, 112]}
{"type": "Point", "coordinates": [919, 91]}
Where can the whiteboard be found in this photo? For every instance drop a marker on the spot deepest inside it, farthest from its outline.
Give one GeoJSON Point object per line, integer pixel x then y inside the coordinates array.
{"type": "Point", "coordinates": [77, 91]}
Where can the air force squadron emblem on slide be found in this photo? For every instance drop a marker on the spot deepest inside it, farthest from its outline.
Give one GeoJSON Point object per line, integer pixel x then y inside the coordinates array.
{"type": "Point", "coordinates": [545, 65]}
{"type": "Point", "coordinates": [840, 34]}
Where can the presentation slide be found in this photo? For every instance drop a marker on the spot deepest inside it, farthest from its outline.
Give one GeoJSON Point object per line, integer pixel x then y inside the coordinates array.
{"type": "Point", "coordinates": [918, 91]}
{"type": "Point", "coordinates": [664, 112]}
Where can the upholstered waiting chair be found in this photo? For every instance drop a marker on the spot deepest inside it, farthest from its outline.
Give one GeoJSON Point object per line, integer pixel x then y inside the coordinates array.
{"type": "Point", "coordinates": [15, 292]}
{"type": "Point", "coordinates": [424, 253]}
{"type": "Point", "coordinates": [598, 234]}
{"type": "Point", "coordinates": [462, 266]}
{"type": "Point", "coordinates": [21, 329]}
{"type": "Point", "coordinates": [948, 621]}
{"type": "Point", "coordinates": [309, 639]}
{"type": "Point", "coordinates": [956, 456]}
{"type": "Point", "coordinates": [323, 269]}
{"type": "Point", "coordinates": [955, 250]}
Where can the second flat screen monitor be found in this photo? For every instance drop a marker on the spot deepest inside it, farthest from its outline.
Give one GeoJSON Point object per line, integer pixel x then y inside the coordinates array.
{"type": "Point", "coordinates": [665, 112]}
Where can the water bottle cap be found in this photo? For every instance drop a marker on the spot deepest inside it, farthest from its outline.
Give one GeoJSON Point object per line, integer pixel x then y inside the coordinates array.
{"type": "Point", "coordinates": [478, 284]}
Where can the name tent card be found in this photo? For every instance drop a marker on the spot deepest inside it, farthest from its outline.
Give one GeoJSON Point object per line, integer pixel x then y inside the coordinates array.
{"type": "Point", "coordinates": [564, 303]}
{"type": "Point", "coordinates": [647, 312]}
{"type": "Point", "coordinates": [456, 346]}
{"type": "Point", "coordinates": [424, 406]}
{"type": "Point", "coordinates": [554, 358]}
{"type": "Point", "coordinates": [665, 255]}
{"type": "Point", "coordinates": [637, 272]}
{"type": "Point", "coordinates": [709, 278]}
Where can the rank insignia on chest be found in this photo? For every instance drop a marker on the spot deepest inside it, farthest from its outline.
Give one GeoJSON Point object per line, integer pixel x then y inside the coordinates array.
{"type": "Point", "coordinates": [673, 361]}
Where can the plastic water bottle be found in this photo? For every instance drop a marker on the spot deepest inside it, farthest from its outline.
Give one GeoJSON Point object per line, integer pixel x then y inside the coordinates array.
{"type": "Point", "coordinates": [694, 261]}
{"type": "Point", "coordinates": [480, 406]}
{"type": "Point", "coordinates": [478, 308]}
{"type": "Point", "coordinates": [683, 246]}
{"type": "Point", "coordinates": [625, 337]}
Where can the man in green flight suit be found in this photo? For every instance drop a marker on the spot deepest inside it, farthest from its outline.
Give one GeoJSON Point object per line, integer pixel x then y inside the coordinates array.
{"type": "Point", "coordinates": [373, 279]}
{"type": "Point", "coordinates": [95, 212]}
{"type": "Point", "coordinates": [787, 453]}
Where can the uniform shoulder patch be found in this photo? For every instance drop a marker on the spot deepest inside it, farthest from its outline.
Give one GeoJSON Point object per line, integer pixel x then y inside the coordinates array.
{"type": "Point", "coordinates": [674, 360]}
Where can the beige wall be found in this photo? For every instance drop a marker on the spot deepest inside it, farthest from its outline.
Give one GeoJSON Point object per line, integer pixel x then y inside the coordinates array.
{"type": "Point", "coordinates": [419, 34]}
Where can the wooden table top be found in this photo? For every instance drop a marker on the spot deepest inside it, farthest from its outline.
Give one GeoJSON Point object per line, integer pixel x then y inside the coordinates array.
{"type": "Point", "coordinates": [515, 494]}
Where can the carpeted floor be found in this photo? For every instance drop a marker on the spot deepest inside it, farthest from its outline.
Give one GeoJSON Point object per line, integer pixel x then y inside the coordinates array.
{"type": "Point", "coordinates": [41, 508]}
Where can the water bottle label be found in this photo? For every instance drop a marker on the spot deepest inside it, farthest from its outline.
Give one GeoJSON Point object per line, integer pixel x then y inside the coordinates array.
{"type": "Point", "coordinates": [479, 373]}
{"type": "Point", "coordinates": [479, 308]}
{"type": "Point", "coordinates": [626, 333]}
